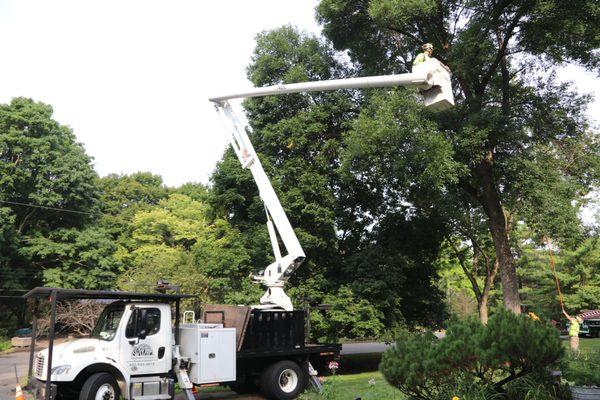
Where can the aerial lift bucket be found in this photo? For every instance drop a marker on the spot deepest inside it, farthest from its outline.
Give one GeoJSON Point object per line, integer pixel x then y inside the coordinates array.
{"type": "Point", "coordinates": [440, 96]}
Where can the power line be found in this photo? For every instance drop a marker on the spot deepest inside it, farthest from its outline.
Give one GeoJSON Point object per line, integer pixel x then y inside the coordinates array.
{"type": "Point", "coordinates": [16, 203]}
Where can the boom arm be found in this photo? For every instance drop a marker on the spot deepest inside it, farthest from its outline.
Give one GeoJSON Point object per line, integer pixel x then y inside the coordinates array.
{"type": "Point", "coordinates": [429, 79]}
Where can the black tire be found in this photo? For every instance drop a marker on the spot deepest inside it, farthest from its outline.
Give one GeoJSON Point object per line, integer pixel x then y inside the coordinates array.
{"type": "Point", "coordinates": [283, 380]}
{"type": "Point", "coordinates": [100, 381]}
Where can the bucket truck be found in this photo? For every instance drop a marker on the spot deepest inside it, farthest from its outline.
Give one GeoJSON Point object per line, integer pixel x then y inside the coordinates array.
{"type": "Point", "coordinates": [139, 348]}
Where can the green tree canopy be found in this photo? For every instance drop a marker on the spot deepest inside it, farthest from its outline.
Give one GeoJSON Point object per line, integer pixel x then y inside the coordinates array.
{"type": "Point", "coordinates": [521, 138]}
{"type": "Point", "coordinates": [49, 195]}
{"type": "Point", "coordinates": [300, 140]}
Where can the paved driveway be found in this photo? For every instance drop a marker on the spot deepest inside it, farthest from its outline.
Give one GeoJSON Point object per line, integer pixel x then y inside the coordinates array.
{"type": "Point", "coordinates": [7, 372]}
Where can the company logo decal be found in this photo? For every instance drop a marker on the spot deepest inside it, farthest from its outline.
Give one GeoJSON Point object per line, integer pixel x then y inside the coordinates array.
{"type": "Point", "coordinates": [142, 350]}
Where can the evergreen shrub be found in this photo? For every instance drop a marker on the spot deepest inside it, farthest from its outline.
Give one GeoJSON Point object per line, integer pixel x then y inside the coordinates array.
{"type": "Point", "coordinates": [583, 369]}
{"type": "Point", "coordinates": [472, 358]}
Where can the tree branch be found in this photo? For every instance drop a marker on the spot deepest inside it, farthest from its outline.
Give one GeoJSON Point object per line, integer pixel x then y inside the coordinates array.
{"type": "Point", "coordinates": [466, 270]}
{"type": "Point", "coordinates": [501, 51]}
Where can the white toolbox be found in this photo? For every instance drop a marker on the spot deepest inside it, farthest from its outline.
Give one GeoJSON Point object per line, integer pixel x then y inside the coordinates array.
{"type": "Point", "coordinates": [212, 350]}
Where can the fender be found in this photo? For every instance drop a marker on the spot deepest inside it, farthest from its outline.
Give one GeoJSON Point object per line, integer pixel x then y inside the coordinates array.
{"type": "Point", "coordinates": [111, 368]}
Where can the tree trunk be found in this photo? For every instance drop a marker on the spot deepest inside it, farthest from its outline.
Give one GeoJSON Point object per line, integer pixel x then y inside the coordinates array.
{"type": "Point", "coordinates": [482, 301]}
{"type": "Point", "coordinates": [482, 306]}
{"type": "Point", "coordinates": [498, 227]}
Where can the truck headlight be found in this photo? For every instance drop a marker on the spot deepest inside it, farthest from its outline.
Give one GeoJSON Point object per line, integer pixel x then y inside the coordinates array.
{"type": "Point", "coordinates": [60, 370]}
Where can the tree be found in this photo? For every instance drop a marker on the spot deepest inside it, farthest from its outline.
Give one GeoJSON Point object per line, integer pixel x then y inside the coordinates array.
{"type": "Point", "coordinates": [473, 248]}
{"type": "Point", "coordinates": [300, 139]}
{"type": "Point", "coordinates": [74, 258]}
{"type": "Point", "coordinates": [522, 140]}
{"type": "Point", "coordinates": [176, 241]}
{"type": "Point", "coordinates": [49, 193]}
{"type": "Point", "coordinates": [578, 271]}
{"type": "Point", "coordinates": [122, 196]}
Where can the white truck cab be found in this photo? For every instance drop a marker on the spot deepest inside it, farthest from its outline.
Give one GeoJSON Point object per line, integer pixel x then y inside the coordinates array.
{"type": "Point", "coordinates": [129, 339]}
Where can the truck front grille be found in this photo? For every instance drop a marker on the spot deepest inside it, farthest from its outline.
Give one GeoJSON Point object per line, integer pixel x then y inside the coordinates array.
{"type": "Point", "coordinates": [39, 365]}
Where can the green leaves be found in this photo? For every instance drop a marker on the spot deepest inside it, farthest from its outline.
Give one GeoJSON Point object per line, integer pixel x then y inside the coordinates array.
{"type": "Point", "coordinates": [487, 356]}
{"type": "Point", "coordinates": [348, 317]}
{"type": "Point", "coordinates": [49, 174]}
{"type": "Point", "coordinates": [564, 31]}
{"type": "Point", "coordinates": [398, 13]}
{"type": "Point", "coordinates": [395, 151]}
{"type": "Point", "coordinates": [74, 258]}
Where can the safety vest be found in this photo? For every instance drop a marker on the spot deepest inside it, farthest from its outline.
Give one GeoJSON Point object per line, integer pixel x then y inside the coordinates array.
{"type": "Point", "coordinates": [421, 58]}
{"type": "Point", "coordinates": [574, 328]}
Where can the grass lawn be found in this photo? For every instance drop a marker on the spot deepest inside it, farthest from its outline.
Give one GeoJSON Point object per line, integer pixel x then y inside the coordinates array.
{"type": "Point", "coordinates": [349, 387]}
{"type": "Point", "coordinates": [585, 344]}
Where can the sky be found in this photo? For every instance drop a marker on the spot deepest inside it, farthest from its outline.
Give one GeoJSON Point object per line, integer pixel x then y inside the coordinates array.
{"type": "Point", "coordinates": [132, 78]}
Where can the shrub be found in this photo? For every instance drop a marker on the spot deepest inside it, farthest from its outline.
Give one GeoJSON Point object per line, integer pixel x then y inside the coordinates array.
{"type": "Point", "coordinates": [485, 357]}
{"type": "Point", "coordinates": [348, 317]}
{"type": "Point", "coordinates": [583, 369]}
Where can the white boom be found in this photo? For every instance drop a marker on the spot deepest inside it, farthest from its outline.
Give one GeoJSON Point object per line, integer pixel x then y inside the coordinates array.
{"type": "Point", "coordinates": [430, 77]}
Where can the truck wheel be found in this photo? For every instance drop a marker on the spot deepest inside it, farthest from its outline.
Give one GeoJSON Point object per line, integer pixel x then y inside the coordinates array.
{"type": "Point", "coordinates": [100, 386]}
{"type": "Point", "coordinates": [283, 381]}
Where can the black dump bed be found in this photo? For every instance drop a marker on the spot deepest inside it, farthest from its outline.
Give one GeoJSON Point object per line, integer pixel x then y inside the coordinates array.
{"type": "Point", "coordinates": [267, 332]}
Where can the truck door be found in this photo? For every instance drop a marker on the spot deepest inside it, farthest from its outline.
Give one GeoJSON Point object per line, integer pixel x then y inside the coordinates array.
{"type": "Point", "coordinates": [146, 340]}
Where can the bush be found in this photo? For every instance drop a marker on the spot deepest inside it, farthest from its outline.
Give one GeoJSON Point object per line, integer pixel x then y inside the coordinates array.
{"type": "Point", "coordinates": [583, 369]}
{"type": "Point", "coordinates": [472, 358]}
{"type": "Point", "coordinates": [4, 344]}
{"type": "Point", "coordinates": [349, 317]}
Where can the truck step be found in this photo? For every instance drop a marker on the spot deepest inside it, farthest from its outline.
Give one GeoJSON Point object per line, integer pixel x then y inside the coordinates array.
{"type": "Point", "coordinates": [153, 397]}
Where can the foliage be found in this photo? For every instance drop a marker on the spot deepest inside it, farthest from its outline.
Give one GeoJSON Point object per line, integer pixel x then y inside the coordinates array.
{"type": "Point", "coordinates": [122, 196]}
{"type": "Point", "coordinates": [75, 258]}
{"type": "Point", "coordinates": [348, 317]}
{"type": "Point", "coordinates": [175, 240]}
{"type": "Point", "coordinates": [5, 344]}
{"type": "Point", "coordinates": [50, 201]}
{"type": "Point", "coordinates": [583, 369]}
{"type": "Point", "coordinates": [221, 256]}
{"type": "Point", "coordinates": [300, 140]}
{"type": "Point", "coordinates": [517, 146]}
{"type": "Point", "coordinates": [507, 348]}
{"type": "Point", "coordinates": [537, 387]}
{"type": "Point", "coordinates": [578, 270]}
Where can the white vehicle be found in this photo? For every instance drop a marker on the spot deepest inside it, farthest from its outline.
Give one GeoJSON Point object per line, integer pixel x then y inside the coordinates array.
{"type": "Point", "coordinates": [138, 348]}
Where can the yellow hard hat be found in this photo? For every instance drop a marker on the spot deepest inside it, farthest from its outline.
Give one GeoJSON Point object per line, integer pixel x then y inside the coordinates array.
{"type": "Point", "coordinates": [427, 46]}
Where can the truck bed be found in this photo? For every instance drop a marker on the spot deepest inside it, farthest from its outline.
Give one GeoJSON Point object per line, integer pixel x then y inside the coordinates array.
{"type": "Point", "coordinates": [308, 349]}
{"type": "Point", "coordinates": [267, 333]}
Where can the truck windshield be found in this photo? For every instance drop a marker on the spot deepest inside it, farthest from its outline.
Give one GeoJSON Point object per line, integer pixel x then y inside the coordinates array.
{"type": "Point", "coordinates": [108, 322]}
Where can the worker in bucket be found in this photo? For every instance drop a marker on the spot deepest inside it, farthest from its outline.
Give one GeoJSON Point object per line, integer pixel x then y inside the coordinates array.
{"type": "Point", "coordinates": [574, 331]}
{"type": "Point", "coordinates": [426, 56]}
